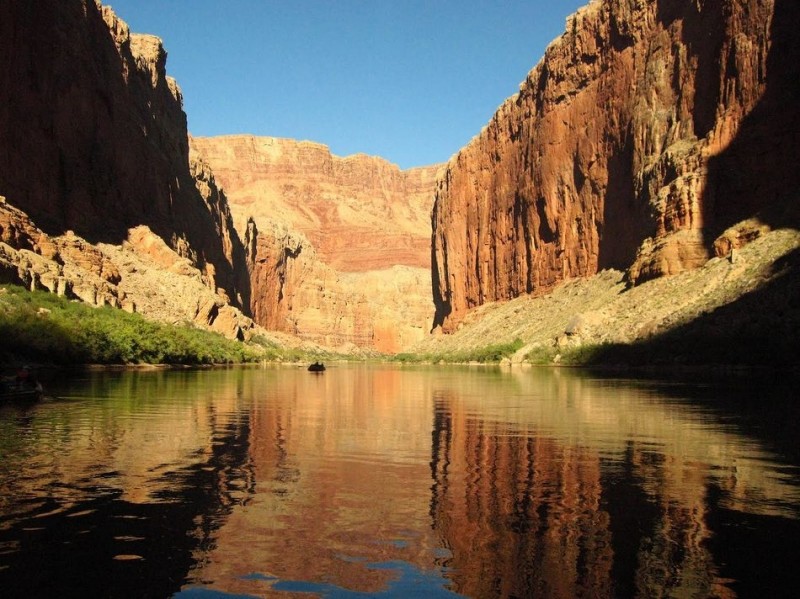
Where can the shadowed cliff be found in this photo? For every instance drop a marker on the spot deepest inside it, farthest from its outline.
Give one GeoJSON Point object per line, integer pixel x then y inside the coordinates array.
{"type": "Point", "coordinates": [93, 138]}
{"type": "Point", "coordinates": [757, 174]}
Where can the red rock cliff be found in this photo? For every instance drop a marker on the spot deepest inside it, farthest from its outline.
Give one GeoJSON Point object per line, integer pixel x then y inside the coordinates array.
{"type": "Point", "coordinates": [360, 212]}
{"type": "Point", "coordinates": [647, 128]}
{"type": "Point", "coordinates": [93, 137]}
{"type": "Point", "coordinates": [339, 248]}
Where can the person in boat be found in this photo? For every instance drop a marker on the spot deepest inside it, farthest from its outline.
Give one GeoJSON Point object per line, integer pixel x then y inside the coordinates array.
{"type": "Point", "coordinates": [316, 367]}
{"type": "Point", "coordinates": [23, 376]}
{"type": "Point", "coordinates": [25, 379]}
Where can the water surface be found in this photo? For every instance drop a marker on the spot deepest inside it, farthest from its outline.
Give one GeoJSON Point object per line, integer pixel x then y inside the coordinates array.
{"type": "Point", "coordinates": [397, 482]}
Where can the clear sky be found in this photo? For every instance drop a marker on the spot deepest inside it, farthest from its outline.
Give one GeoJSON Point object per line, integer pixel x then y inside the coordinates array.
{"type": "Point", "coordinates": [409, 80]}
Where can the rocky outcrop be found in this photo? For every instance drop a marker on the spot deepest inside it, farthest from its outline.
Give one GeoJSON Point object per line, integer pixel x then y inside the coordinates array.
{"type": "Point", "coordinates": [93, 138]}
{"type": "Point", "coordinates": [298, 293]}
{"type": "Point", "coordinates": [143, 274]}
{"type": "Point", "coordinates": [339, 248]}
{"type": "Point", "coordinates": [647, 129]}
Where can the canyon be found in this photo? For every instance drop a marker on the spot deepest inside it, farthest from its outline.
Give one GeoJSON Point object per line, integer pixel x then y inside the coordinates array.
{"type": "Point", "coordinates": [107, 199]}
{"type": "Point", "coordinates": [338, 247]}
{"type": "Point", "coordinates": [652, 139]}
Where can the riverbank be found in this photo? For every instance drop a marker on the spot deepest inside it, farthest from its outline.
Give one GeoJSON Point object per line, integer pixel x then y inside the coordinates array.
{"type": "Point", "coordinates": [45, 329]}
{"type": "Point", "coordinates": [735, 313]}
{"type": "Point", "coordinates": [730, 314]}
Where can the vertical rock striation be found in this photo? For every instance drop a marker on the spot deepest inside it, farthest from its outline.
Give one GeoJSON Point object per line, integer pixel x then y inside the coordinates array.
{"type": "Point", "coordinates": [648, 128]}
{"type": "Point", "coordinates": [93, 137]}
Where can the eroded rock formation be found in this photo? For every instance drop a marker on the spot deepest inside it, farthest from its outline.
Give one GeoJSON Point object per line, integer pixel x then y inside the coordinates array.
{"type": "Point", "coordinates": [339, 248]}
{"type": "Point", "coordinates": [93, 138]}
{"type": "Point", "coordinates": [142, 274]}
{"type": "Point", "coordinates": [646, 130]}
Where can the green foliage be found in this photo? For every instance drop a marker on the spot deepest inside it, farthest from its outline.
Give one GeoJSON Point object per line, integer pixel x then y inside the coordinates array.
{"type": "Point", "coordinates": [39, 326]}
{"type": "Point", "coordinates": [272, 352]}
{"type": "Point", "coordinates": [408, 358]}
{"type": "Point", "coordinates": [541, 355]}
{"type": "Point", "coordinates": [490, 354]}
{"type": "Point", "coordinates": [584, 355]}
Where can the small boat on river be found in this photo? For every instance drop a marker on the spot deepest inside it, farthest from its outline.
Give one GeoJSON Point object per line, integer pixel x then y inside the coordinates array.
{"type": "Point", "coordinates": [14, 391]}
{"type": "Point", "coordinates": [23, 387]}
{"type": "Point", "coordinates": [317, 367]}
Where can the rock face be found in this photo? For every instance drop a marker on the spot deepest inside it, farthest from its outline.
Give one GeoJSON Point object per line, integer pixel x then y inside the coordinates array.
{"type": "Point", "coordinates": [647, 129]}
{"type": "Point", "coordinates": [360, 212]}
{"type": "Point", "coordinates": [143, 274]}
{"type": "Point", "coordinates": [339, 248]}
{"type": "Point", "coordinates": [93, 138]}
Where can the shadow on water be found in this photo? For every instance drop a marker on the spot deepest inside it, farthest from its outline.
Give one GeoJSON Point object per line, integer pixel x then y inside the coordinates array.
{"type": "Point", "coordinates": [83, 539]}
{"type": "Point", "coordinates": [753, 551]}
{"type": "Point", "coordinates": [385, 481]}
{"type": "Point", "coordinates": [571, 505]}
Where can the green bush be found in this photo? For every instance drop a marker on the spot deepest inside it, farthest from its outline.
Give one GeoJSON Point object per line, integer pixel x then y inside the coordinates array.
{"type": "Point", "coordinates": [38, 326]}
{"type": "Point", "coordinates": [490, 354]}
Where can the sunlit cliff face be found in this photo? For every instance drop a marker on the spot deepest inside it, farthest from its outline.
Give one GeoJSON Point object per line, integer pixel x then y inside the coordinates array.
{"type": "Point", "coordinates": [646, 130]}
{"type": "Point", "coordinates": [339, 248]}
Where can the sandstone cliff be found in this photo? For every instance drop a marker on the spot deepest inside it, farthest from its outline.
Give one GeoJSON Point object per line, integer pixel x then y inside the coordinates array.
{"type": "Point", "coordinates": [646, 130]}
{"type": "Point", "coordinates": [93, 138]}
{"type": "Point", "coordinates": [360, 212]}
{"type": "Point", "coordinates": [339, 248]}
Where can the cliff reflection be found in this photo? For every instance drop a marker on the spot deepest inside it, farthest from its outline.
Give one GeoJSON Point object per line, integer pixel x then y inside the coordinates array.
{"type": "Point", "coordinates": [520, 514]}
{"type": "Point", "coordinates": [559, 486]}
{"type": "Point", "coordinates": [390, 481]}
{"type": "Point", "coordinates": [342, 489]}
{"type": "Point", "coordinates": [118, 489]}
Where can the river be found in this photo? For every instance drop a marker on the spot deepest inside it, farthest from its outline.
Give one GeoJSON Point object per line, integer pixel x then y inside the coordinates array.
{"type": "Point", "coordinates": [392, 481]}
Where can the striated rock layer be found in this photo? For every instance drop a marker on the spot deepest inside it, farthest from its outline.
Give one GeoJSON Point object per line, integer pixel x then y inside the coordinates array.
{"type": "Point", "coordinates": [646, 130]}
{"type": "Point", "coordinates": [360, 212]}
{"type": "Point", "coordinates": [339, 248]}
{"type": "Point", "coordinates": [93, 138]}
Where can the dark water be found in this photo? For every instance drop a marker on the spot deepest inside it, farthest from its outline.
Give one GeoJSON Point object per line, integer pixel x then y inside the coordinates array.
{"type": "Point", "coordinates": [383, 481]}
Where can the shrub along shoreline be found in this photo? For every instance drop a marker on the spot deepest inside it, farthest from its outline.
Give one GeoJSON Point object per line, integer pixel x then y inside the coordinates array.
{"type": "Point", "coordinates": [40, 327]}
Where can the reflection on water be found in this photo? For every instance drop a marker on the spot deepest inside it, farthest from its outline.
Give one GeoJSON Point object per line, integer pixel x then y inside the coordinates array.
{"type": "Point", "coordinates": [397, 482]}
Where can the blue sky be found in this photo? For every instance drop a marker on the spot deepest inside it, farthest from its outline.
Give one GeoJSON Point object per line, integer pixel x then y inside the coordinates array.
{"type": "Point", "coordinates": [409, 80]}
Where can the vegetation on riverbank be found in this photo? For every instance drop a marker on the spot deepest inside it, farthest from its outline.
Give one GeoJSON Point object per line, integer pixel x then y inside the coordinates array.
{"type": "Point", "coordinates": [728, 313]}
{"type": "Point", "coordinates": [742, 312]}
{"type": "Point", "coordinates": [43, 328]}
{"type": "Point", "coordinates": [488, 354]}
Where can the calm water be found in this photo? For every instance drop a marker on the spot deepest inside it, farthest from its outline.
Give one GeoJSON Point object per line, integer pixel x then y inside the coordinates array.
{"type": "Point", "coordinates": [398, 482]}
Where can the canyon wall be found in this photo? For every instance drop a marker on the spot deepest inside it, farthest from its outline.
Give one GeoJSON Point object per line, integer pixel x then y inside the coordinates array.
{"type": "Point", "coordinates": [647, 129]}
{"type": "Point", "coordinates": [339, 248]}
{"type": "Point", "coordinates": [93, 139]}
{"type": "Point", "coordinates": [105, 201]}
